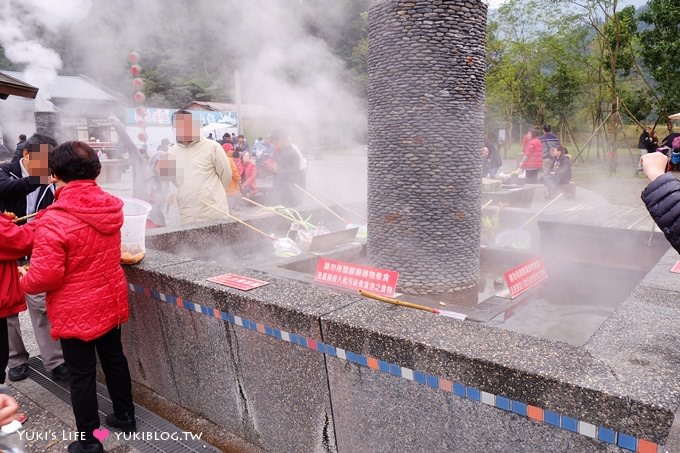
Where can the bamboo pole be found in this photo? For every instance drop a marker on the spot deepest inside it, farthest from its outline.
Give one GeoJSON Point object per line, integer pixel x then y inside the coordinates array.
{"type": "Point", "coordinates": [401, 303]}
{"type": "Point", "coordinates": [240, 221]}
{"type": "Point", "coordinates": [540, 211]}
{"type": "Point", "coordinates": [364, 219]}
{"type": "Point", "coordinates": [274, 211]}
{"type": "Point", "coordinates": [26, 217]}
{"type": "Point", "coordinates": [322, 204]}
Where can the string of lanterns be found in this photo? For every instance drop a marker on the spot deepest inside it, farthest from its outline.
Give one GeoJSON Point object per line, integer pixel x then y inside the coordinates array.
{"type": "Point", "coordinates": [138, 97]}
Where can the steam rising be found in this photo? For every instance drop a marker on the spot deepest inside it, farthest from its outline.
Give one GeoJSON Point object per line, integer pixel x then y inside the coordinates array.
{"type": "Point", "coordinates": [293, 75]}
{"type": "Point", "coordinates": [21, 22]}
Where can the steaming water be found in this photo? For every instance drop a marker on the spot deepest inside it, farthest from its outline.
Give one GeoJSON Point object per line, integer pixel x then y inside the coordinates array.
{"type": "Point", "coordinates": [571, 305]}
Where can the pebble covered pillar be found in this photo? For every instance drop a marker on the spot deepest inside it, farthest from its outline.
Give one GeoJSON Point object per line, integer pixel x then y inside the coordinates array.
{"type": "Point", "coordinates": [425, 134]}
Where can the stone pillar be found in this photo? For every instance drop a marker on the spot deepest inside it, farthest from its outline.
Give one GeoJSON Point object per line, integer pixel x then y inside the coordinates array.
{"type": "Point", "coordinates": [48, 123]}
{"type": "Point", "coordinates": [426, 69]}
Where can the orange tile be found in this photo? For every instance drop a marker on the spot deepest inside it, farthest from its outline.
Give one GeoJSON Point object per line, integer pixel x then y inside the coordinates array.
{"type": "Point", "coordinates": [373, 363]}
{"type": "Point", "coordinates": [445, 385]}
{"type": "Point", "coordinates": [180, 302]}
{"type": "Point", "coordinates": [216, 313]}
{"type": "Point", "coordinates": [535, 413]}
{"type": "Point", "coordinates": [645, 446]}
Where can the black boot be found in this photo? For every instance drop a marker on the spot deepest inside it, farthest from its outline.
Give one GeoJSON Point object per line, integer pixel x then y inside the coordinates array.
{"type": "Point", "coordinates": [80, 446]}
{"type": "Point", "coordinates": [125, 423]}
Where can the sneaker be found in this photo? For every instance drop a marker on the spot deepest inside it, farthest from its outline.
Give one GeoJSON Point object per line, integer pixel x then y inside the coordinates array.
{"type": "Point", "coordinates": [85, 447]}
{"type": "Point", "coordinates": [125, 423]}
{"type": "Point", "coordinates": [18, 373]}
{"type": "Point", "coordinates": [21, 417]}
{"type": "Point", "coordinates": [61, 373]}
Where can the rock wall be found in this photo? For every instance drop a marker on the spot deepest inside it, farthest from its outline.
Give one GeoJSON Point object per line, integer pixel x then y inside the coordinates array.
{"type": "Point", "coordinates": [425, 134]}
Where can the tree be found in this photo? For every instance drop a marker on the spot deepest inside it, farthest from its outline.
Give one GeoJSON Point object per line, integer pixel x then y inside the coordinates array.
{"type": "Point", "coordinates": [615, 31]}
{"type": "Point", "coordinates": [660, 50]}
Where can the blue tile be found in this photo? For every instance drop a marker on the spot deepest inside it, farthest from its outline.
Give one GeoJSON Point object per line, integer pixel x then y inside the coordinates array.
{"type": "Point", "coordinates": [232, 320]}
{"type": "Point", "coordinates": [570, 424]}
{"type": "Point", "coordinates": [459, 389]}
{"type": "Point", "coordinates": [606, 435]}
{"type": "Point", "coordinates": [268, 330]}
{"type": "Point", "coordinates": [432, 381]}
{"type": "Point", "coordinates": [395, 370]}
{"type": "Point", "coordinates": [188, 305]}
{"type": "Point", "coordinates": [321, 347]}
{"type": "Point", "coordinates": [169, 298]}
{"type": "Point", "coordinates": [225, 316]}
{"type": "Point", "coordinates": [350, 356]}
{"type": "Point", "coordinates": [293, 338]}
{"type": "Point", "coordinates": [155, 294]}
{"type": "Point", "coordinates": [419, 376]}
{"type": "Point", "coordinates": [302, 341]}
{"type": "Point", "coordinates": [551, 418]}
{"type": "Point", "coordinates": [627, 441]}
{"type": "Point", "coordinates": [519, 407]}
{"type": "Point", "coordinates": [384, 366]}
{"type": "Point", "coordinates": [330, 350]}
{"type": "Point", "coordinates": [502, 403]}
{"type": "Point", "coordinates": [277, 333]}
{"type": "Point", "coordinates": [473, 393]}
{"type": "Point", "coordinates": [362, 360]}
{"type": "Point", "coordinates": [206, 310]}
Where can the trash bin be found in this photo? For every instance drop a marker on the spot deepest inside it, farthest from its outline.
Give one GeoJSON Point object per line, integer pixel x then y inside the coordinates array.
{"type": "Point", "coordinates": [133, 232]}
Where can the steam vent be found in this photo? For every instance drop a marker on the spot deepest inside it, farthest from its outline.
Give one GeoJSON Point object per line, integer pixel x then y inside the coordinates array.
{"type": "Point", "coordinates": [425, 133]}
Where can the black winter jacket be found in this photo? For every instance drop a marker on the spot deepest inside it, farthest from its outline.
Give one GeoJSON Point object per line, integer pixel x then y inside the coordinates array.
{"type": "Point", "coordinates": [662, 198]}
{"type": "Point", "coordinates": [14, 188]}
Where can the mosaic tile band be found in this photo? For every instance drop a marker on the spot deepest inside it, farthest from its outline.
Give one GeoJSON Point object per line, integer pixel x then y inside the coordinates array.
{"type": "Point", "coordinates": [601, 433]}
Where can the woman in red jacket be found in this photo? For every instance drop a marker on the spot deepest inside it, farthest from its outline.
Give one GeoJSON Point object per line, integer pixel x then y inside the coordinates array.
{"type": "Point", "coordinates": [16, 242]}
{"type": "Point", "coordinates": [249, 180]}
{"type": "Point", "coordinates": [532, 160]}
{"type": "Point", "coordinates": [76, 261]}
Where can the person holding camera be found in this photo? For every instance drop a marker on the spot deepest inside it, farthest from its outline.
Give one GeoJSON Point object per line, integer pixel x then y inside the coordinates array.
{"type": "Point", "coordinates": [662, 196]}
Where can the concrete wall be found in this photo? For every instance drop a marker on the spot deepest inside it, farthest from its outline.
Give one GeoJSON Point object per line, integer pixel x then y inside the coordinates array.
{"type": "Point", "coordinates": [293, 367]}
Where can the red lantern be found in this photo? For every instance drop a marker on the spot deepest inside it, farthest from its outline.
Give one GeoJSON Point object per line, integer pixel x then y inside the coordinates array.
{"type": "Point", "coordinates": [135, 70]}
{"type": "Point", "coordinates": [138, 83]}
{"type": "Point", "coordinates": [140, 111]}
{"type": "Point", "coordinates": [139, 97]}
{"type": "Point", "coordinates": [133, 57]}
{"type": "Point", "coordinates": [142, 136]}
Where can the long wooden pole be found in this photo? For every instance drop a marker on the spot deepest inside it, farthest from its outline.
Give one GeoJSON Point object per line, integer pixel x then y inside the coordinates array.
{"type": "Point", "coordinates": [364, 219]}
{"type": "Point", "coordinates": [323, 205]}
{"type": "Point", "coordinates": [240, 221]}
{"type": "Point", "coordinates": [26, 217]}
{"type": "Point", "coordinates": [274, 211]}
{"type": "Point", "coordinates": [401, 303]}
{"type": "Point", "coordinates": [540, 211]}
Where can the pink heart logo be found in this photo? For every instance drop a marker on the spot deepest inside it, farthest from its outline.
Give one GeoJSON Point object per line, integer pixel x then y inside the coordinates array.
{"type": "Point", "coordinates": [101, 434]}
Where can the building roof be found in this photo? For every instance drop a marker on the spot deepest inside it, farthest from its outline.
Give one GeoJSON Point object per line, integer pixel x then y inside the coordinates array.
{"type": "Point", "coordinates": [15, 87]}
{"type": "Point", "coordinates": [75, 88]}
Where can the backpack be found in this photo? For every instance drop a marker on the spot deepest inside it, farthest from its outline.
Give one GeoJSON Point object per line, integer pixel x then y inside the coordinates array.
{"type": "Point", "coordinates": [676, 143]}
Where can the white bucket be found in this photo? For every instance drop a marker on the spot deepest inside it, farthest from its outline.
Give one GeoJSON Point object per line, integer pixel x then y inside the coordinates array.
{"type": "Point", "coordinates": [133, 231]}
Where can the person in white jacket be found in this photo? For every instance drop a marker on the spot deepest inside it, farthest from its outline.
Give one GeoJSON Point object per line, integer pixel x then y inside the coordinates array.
{"type": "Point", "coordinates": [202, 172]}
